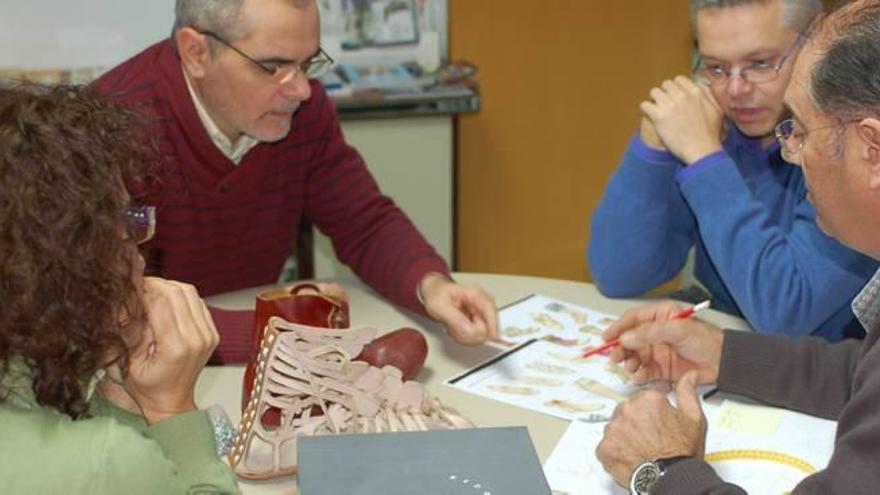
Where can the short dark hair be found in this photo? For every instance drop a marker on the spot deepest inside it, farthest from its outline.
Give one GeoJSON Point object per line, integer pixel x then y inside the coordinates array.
{"type": "Point", "coordinates": [845, 82]}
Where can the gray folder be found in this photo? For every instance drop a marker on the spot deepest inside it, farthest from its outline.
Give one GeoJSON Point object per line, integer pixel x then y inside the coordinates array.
{"type": "Point", "coordinates": [481, 461]}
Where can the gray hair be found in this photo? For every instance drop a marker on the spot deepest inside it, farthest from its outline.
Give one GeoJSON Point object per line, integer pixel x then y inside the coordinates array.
{"type": "Point", "coordinates": [845, 82]}
{"type": "Point", "coordinates": [219, 16]}
{"type": "Point", "coordinates": [796, 14]}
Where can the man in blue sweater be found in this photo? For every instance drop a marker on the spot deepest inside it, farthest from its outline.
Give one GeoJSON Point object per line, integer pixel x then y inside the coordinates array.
{"type": "Point", "coordinates": [705, 171]}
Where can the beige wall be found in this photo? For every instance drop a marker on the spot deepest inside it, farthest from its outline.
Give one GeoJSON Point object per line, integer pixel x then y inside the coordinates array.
{"type": "Point", "coordinates": [561, 83]}
{"type": "Point", "coordinates": [411, 159]}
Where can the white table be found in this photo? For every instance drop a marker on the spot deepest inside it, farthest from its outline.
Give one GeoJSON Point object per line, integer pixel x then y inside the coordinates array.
{"type": "Point", "coordinates": [222, 385]}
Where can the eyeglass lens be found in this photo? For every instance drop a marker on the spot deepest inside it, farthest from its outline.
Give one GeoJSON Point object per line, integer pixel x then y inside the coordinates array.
{"type": "Point", "coordinates": [141, 223]}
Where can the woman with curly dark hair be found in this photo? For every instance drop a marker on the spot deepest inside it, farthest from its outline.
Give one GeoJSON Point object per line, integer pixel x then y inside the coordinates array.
{"type": "Point", "coordinates": [97, 363]}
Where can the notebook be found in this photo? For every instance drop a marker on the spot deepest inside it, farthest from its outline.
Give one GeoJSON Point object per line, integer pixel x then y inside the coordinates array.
{"type": "Point", "coordinates": [481, 461]}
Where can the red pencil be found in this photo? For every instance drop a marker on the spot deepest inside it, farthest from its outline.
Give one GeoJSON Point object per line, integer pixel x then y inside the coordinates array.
{"type": "Point", "coordinates": [685, 313]}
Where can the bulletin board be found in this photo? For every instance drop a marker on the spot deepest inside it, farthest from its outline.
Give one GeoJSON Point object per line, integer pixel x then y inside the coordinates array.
{"type": "Point", "coordinates": [81, 39]}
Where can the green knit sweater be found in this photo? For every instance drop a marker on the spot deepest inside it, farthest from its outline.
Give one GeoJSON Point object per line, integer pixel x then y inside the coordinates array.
{"type": "Point", "coordinates": [109, 452]}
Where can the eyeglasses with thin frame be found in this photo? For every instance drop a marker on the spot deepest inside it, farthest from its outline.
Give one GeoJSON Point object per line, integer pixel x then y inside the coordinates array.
{"type": "Point", "coordinates": [281, 72]}
{"type": "Point", "coordinates": [717, 75]}
{"type": "Point", "coordinates": [791, 142]}
{"type": "Point", "coordinates": [141, 223]}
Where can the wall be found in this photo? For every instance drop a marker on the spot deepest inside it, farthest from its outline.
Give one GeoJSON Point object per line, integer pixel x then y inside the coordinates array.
{"type": "Point", "coordinates": [561, 83]}
{"type": "Point", "coordinates": [39, 34]}
{"type": "Point", "coordinates": [411, 159]}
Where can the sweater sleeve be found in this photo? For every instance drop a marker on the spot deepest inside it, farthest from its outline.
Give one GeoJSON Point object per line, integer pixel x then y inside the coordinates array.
{"type": "Point", "coordinates": [176, 455]}
{"type": "Point", "coordinates": [837, 381]}
{"type": "Point", "coordinates": [369, 232]}
{"type": "Point", "coordinates": [642, 229]}
{"type": "Point", "coordinates": [693, 476]}
{"type": "Point", "coordinates": [853, 466]}
{"type": "Point", "coordinates": [808, 375]}
{"type": "Point", "coordinates": [764, 267]}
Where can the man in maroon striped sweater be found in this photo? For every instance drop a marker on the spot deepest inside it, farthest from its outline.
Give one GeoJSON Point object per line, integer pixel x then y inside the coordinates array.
{"type": "Point", "coordinates": [254, 147]}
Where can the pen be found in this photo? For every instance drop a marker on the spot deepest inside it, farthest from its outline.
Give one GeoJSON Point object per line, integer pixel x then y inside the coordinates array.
{"type": "Point", "coordinates": [685, 313]}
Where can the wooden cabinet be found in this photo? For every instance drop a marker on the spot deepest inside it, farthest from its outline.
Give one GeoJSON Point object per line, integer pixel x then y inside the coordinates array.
{"type": "Point", "coordinates": [561, 82]}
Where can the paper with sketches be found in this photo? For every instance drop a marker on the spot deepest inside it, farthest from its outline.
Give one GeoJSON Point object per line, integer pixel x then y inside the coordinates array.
{"type": "Point", "coordinates": [744, 418]}
{"type": "Point", "coordinates": [537, 316]}
{"type": "Point", "coordinates": [572, 468]}
{"type": "Point", "coordinates": [761, 460]}
{"type": "Point", "coordinates": [546, 372]}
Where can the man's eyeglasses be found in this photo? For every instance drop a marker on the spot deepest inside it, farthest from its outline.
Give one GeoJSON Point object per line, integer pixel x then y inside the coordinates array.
{"type": "Point", "coordinates": [718, 75]}
{"type": "Point", "coordinates": [141, 223]}
{"type": "Point", "coordinates": [281, 72]}
{"type": "Point", "coordinates": [791, 142]}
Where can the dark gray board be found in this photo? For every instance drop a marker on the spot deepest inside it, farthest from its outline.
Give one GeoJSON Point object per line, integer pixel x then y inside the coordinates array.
{"type": "Point", "coordinates": [482, 461]}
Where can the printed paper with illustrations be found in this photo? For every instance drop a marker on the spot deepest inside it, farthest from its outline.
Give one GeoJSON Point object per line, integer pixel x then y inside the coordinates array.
{"type": "Point", "coordinates": [762, 449]}
{"type": "Point", "coordinates": [546, 372]}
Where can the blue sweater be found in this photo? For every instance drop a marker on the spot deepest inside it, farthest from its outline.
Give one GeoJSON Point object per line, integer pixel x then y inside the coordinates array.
{"type": "Point", "coordinates": [759, 251]}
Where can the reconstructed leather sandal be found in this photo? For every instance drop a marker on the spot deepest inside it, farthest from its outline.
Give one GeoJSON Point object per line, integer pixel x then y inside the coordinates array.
{"type": "Point", "coordinates": [405, 349]}
{"type": "Point", "coordinates": [308, 374]}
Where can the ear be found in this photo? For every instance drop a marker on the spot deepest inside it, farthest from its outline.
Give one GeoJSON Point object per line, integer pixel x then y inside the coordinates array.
{"type": "Point", "coordinates": [869, 134]}
{"type": "Point", "coordinates": [194, 52]}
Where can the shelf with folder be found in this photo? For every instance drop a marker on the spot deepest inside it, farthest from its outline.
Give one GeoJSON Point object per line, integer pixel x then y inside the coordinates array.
{"type": "Point", "coordinates": [440, 100]}
{"type": "Point", "coordinates": [402, 90]}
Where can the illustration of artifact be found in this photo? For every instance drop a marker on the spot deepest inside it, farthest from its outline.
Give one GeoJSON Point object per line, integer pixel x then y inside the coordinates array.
{"type": "Point", "coordinates": [566, 358]}
{"type": "Point", "coordinates": [519, 332]}
{"type": "Point", "coordinates": [607, 321]}
{"type": "Point", "coordinates": [514, 390]}
{"type": "Point", "coordinates": [618, 371]}
{"type": "Point", "coordinates": [555, 307]}
{"type": "Point", "coordinates": [597, 388]}
{"type": "Point", "coordinates": [595, 418]}
{"type": "Point", "coordinates": [579, 317]}
{"type": "Point", "coordinates": [540, 381]}
{"type": "Point", "coordinates": [591, 330]}
{"type": "Point", "coordinates": [572, 407]}
{"type": "Point", "coordinates": [554, 339]}
{"type": "Point", "coordinates": [550, 368]}
{"type": "Point", "coordinates": [548, 321]}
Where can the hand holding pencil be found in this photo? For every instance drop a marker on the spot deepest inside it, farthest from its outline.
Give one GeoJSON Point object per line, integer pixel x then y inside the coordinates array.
{"type": "Point", "coordinates": [685, 313]}
{"type": "Point", "coordinates": [662, 342]}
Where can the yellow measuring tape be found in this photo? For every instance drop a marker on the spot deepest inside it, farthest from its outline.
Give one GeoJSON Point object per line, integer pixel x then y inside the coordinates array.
{"type": "Point", "coordinates": [761, 455]}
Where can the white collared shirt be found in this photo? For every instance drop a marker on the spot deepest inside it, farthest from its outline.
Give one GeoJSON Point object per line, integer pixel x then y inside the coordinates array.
{"type": "Point", "coordinates": [234, 151]}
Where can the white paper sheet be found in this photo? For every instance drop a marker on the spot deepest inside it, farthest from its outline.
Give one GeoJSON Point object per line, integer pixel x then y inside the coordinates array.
{"type": "Point", "coordinates": [546, 373]}
{"type": "Point", "coordinates": [763, 449]}
{"type": "Point", "coordinates": [768, 450]}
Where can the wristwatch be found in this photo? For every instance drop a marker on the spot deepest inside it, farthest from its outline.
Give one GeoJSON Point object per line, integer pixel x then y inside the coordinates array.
{"type": "Point", "coordinates": [647, 474]}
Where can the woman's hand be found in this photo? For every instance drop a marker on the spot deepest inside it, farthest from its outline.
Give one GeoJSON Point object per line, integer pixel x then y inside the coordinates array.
{"type": "Point", "coordinates": [177, 342]}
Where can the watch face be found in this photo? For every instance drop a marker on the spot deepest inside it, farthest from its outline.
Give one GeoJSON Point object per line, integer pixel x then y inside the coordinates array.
{"type": "Point", "coordinates": [643, 478]}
